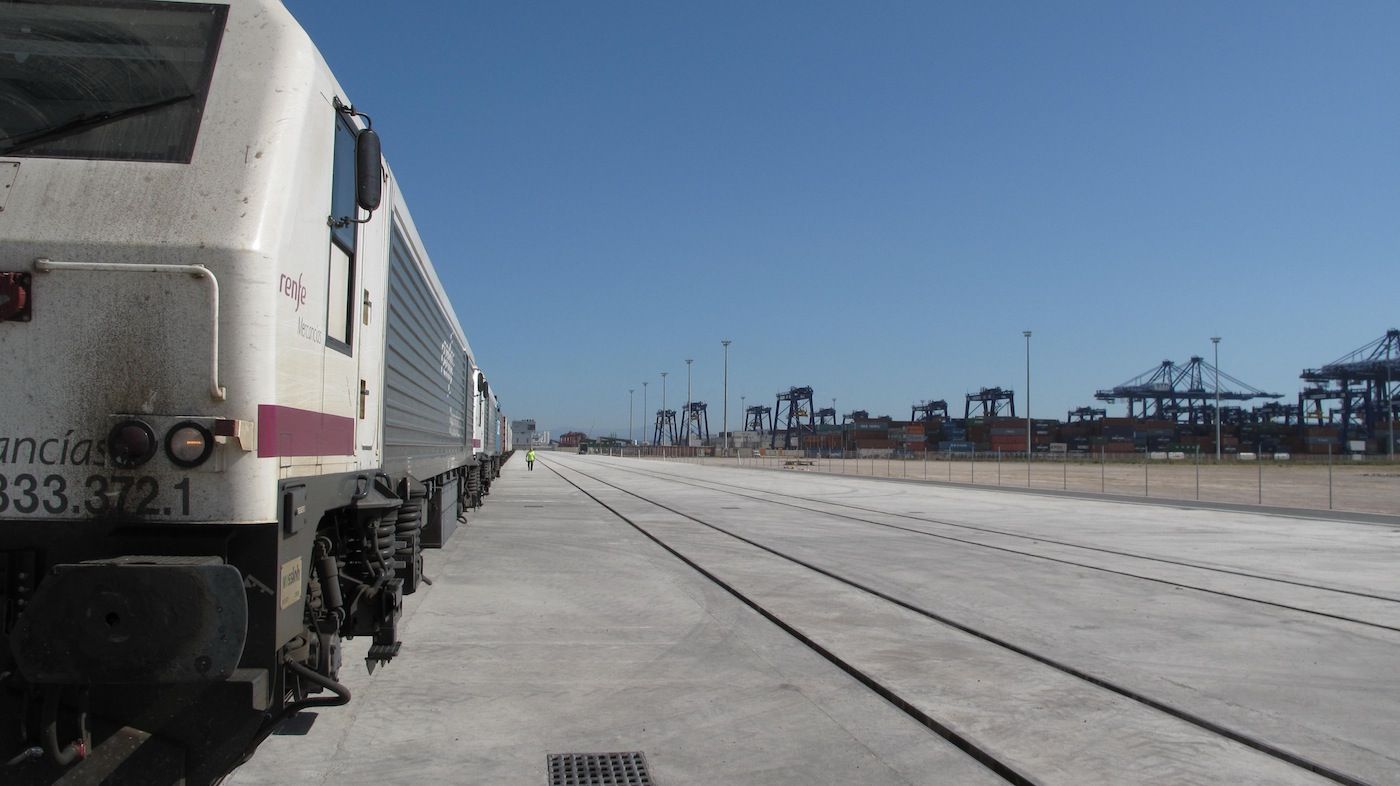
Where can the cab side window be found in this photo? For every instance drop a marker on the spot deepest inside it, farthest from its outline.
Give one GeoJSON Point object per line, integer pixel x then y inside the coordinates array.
{"type": "Point", "coordinates": [340, 301]}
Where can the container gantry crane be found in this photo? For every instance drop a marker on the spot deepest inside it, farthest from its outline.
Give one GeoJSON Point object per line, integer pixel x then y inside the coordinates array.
{"type": "Point", "coordinates": [790, 409]}
{"type": "Point", "coordinates": [1365, 381]}
{"type": "Point", "coordinates": [1183, 394]}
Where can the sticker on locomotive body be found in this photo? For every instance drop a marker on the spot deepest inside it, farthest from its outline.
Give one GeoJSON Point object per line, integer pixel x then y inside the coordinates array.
{"type": "Point", "coordinates": [290, 584]}
{"type": "Point", "coordinates": [54, 451]}
{"type": "Point", "coordinates": [135, 495]}
{"type": "Point", "coordinates": [39, 476]}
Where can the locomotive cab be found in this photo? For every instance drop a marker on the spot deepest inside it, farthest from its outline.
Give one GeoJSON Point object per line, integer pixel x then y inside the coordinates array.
{"type": "Point", "coordinates": [236, 398]}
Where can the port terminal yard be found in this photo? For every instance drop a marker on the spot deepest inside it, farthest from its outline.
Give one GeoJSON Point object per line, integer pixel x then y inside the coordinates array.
{"type": "Point", "coordinates": [803, 626]}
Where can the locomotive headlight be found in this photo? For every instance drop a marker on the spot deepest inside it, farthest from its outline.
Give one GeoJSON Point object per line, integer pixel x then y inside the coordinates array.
{"type": "Point", "coordinates": [131, 443]}
{"type": "Point", "coordinates": [188, 444]}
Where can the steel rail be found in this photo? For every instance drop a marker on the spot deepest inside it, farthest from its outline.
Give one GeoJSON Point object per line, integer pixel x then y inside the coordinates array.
{"type": "Point", "coordinates": [1021, 536]}
{"type": "Point", "coordinates": [1240, 737]}
{"type": "Point", "coordinates": [962, 743]}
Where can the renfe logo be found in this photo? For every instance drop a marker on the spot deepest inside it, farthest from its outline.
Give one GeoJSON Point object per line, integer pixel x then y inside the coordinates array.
{"type": "Point", "coordinates": [293, 289]}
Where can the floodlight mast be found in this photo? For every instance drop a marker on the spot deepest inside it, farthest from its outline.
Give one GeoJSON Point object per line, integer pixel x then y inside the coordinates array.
{"type": "Point", "coordinates": [726, 342]}
{"type": "Point", "coordinates": [1027, 334]}
{"type": "Point", "coordinates": [1216, 341]}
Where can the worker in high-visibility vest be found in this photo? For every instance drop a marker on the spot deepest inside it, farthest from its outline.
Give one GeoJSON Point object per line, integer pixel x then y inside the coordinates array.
{"type": "Point", "coordinates": [530, 459]}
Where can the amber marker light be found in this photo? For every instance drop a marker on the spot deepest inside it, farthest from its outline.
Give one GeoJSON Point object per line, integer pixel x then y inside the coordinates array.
{"type": "Point", "coordinates": [188, 444]}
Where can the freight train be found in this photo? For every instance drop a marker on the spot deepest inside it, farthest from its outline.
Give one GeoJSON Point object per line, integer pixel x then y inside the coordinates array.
{"type": "Point", "coordinates": [235, 401]}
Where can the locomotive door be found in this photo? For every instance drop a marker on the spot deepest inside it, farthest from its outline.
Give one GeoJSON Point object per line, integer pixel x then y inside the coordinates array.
{"type": "Point", "coordinates": [353, 369]}
{"type": "Point", "coordinates": [373, 316]}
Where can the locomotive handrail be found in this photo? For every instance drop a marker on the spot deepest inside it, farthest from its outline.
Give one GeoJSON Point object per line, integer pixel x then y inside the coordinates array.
{"type": "Point", "coordinates": [216, 391]}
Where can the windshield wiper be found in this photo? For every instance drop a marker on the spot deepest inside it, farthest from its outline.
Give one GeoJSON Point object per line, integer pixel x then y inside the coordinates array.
{"type": "Point", "coordinates": [83, 123]}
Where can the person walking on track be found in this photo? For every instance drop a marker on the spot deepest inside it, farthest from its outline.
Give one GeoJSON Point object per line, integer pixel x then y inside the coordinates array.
{"type": "Point", "coordinates": [530, 459]}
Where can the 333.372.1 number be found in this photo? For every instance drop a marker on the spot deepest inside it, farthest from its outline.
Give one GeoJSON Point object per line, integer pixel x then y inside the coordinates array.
{"type": "Point", "coordinates": [138, 495]}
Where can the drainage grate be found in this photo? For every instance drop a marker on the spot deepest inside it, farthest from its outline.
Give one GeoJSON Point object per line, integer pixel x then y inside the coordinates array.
{"type": "Point", "coordinates": [598, 769]}
{"type": "Point", "coordinates": [534, 506]}
{"type": "Point", "coordinates": [727, 507]}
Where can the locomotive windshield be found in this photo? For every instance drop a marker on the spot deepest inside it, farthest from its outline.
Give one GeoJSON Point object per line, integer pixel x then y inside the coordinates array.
{"type": "Point", "coordinates": [105, 80]}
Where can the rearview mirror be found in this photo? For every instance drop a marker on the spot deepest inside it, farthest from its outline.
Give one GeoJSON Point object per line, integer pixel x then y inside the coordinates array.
{"type": "Point", "coordinates": [369, 170]}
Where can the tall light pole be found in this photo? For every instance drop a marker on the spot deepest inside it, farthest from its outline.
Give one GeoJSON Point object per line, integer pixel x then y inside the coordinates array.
{"type": "Point", "coordinates": [1027, 334]}
{"type": "Point", "coordinates": [688, 361]}
{"type": "Point", "coordinates": [843, 437]}
{"type": "Point", "coordinates": [644, 409]}
{"type": "Point", "coordinates": [630, 417]}
{"type": "Point", "coordinates": [1216, 341]}
{"type": "Point", "coordinates": [726, 342]}
{"type": "Point", "coordinates": [663, 397]}
{"type": "Point", "coordinates": [1389, 405]}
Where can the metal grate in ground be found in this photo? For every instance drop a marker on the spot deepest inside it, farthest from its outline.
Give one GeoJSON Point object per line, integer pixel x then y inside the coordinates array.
{"type": "Point", "coordinates": [598, 769]}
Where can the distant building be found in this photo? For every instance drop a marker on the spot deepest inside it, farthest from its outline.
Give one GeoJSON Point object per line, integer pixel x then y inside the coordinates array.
{"type": "Point", "coordinates": [572, 439]}
{"type": "Point", "coordinates": [524, 434]}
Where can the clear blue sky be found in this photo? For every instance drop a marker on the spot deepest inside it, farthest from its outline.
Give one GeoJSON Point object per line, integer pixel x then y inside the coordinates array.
{"type": "Point", "coordinates": [875, 199]}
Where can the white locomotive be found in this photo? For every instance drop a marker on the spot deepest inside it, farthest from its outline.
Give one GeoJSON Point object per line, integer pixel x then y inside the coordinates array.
{"type": "Point", "coordinates": [235, 400]}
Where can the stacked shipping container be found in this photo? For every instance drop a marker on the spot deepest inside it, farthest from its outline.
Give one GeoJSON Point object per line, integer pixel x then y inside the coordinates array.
{"type": "Point", "coordinates": [1106, 435]}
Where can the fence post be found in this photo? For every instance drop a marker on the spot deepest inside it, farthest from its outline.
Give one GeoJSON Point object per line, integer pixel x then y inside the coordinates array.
{"type": "Point", "coordinates": [1329, 476]}
{"type": "Point", "coordinates": [1103, 469]}
{"type": "Point", "coordinates": [1198, 473]}
{"type": "Point", "coordinates": [998, 466]}
{"type": "Point", "coordinates": [974, 467]}
{"type": "Point", "coordinates": [1259, 458]}
{"type": "Point", "coordinates": [950, 465]}
{"type": "Point", "coordinates": [1146, 466]}
{"type": "Point", "coordinates": [1064, 467]}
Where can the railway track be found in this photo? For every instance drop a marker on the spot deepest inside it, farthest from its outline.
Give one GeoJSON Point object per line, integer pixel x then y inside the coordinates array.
{"type": "Point", "coordinates": [766, 496]}
{"type": "Point", "coordinates": [1004, 766]}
